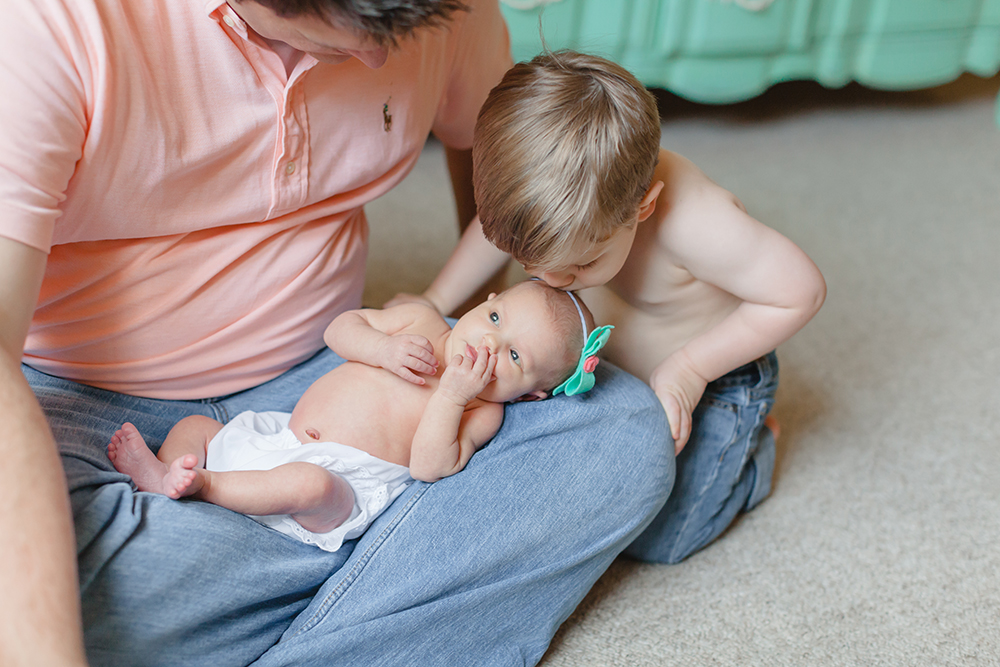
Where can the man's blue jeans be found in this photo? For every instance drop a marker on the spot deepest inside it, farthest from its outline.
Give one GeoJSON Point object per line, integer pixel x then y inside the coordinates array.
{"type": "Point", "coordinates": [480, 568]}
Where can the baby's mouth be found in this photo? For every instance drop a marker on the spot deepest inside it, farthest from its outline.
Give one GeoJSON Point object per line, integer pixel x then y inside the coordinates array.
{"type": "Point", "coordinates": [470, 352]}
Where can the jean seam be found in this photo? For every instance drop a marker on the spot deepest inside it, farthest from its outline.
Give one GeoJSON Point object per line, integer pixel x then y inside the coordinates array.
{"type": "Point", "coordinates": [334, 596]}
{"type": "Point", "coordinates": [709, 482]}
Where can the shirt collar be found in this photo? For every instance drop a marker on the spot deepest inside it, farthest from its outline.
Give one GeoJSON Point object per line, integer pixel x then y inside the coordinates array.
{"type": "Point", "coordinates": [222, 12]}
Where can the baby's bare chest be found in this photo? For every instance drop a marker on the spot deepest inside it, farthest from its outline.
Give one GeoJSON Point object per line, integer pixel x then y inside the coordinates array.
{"type": "Point", "coordinates": [367, 408]}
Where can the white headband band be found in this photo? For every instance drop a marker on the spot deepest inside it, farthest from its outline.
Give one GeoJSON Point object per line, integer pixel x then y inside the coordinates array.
{"type": "Point", "coordinates": [579, 310]}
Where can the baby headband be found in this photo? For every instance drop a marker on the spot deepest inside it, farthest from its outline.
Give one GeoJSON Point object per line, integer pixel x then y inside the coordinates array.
{"type": "Point", "coordinates": [582, 379]}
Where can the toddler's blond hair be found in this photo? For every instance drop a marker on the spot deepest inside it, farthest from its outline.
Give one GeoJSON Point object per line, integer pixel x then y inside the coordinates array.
{"type": "Point", "coordinates": [564, 151]}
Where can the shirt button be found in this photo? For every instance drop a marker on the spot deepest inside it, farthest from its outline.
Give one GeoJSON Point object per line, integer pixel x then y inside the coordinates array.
{"type": "Point", "coordinates": [229, 21]}
{"type": "Point", "coordinates": [290, 168]}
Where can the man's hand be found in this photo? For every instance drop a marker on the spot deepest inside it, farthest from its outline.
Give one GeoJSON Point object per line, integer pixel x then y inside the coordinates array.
{"type": "Point", "coordinates": [679, 390]}
{"type": "Point", "coordinates": [464, 378]}
{"type": "Point", "coordinates": [406, 355]}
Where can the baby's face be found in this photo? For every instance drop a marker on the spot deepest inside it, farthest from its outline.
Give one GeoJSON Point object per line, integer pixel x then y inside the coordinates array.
{"type": "Point", "coordinates": [593, 267]}
{"type": "Point", "coordinates": [518, 327]}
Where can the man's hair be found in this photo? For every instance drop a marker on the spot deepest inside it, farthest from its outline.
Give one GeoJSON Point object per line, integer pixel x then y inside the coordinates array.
{"type": "Point", "coordinates": [564, 151]}
{"type": "Point", "coordinates": [567, 325]}
{"type": "Point", "coordinates": [383, 21]}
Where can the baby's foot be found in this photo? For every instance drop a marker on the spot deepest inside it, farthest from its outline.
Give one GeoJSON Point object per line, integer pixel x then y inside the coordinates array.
{"type": "Point", "coordinates": [130, 455]}
{"type": "Point", "coordinates": [773, 424]}
{"type": "Point", "coordinates": [180, 478]}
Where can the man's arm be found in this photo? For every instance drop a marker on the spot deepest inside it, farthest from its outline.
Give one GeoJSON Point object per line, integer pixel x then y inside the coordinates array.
{"type": "Point", "coordinates": [40, 622]}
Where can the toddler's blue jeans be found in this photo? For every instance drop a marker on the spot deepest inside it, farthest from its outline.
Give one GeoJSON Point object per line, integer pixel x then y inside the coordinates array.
{"type": "Point", "coordinates": [479, 568]}
{"type": "Point", "coordinates": [726, 466]}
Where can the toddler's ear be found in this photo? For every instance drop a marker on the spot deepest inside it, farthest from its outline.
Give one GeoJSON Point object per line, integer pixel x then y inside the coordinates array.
{"type": "Point", "coordinates": [537, 395]}
{"type": "Point", "coordinates": [648, 203]}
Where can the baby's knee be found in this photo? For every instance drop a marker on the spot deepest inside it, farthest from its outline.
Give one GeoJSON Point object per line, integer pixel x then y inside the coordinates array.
{"type": "Point", "coordinates": [326, 500]}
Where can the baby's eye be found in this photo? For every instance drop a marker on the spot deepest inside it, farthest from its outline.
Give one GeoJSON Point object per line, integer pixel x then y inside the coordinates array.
{"type": "Point", "coordinates": [588, 265]}
{"type": "Point", "coordinates": [494, 317]}
{"type": "Point", "coordinates": [515, 357]}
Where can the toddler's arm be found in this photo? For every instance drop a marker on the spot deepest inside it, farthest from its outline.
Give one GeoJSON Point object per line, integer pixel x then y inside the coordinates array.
{"type": "Point", "coordinates": [473, 262]}
{"type": "Point", "coordinates": [449, 433]}
{"type": "Point", "coordinates": [374, 337]}
{"type": "Point", "coordinates": [780, 288]}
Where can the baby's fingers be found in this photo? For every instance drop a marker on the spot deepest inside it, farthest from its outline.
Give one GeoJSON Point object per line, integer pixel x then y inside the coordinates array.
{"type": "Point", "coordinates": [410, 376]}
{"type": "Point", "coordinates": [420, 365]}
{"type": "Point", "coordinates": [486, 361]}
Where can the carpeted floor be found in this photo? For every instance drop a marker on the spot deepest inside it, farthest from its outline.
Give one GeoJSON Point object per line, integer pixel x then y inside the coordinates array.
{"type": "Point", "coordinates": [880, 544]}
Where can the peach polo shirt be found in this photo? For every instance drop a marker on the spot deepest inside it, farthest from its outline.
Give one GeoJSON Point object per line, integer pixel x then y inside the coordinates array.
{"type": "Point", "coordinates": [202, 208]}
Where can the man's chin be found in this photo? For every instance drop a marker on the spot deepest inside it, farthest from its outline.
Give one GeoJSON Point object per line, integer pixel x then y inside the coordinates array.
{"type": "Point", "coordinates": [331, 59]}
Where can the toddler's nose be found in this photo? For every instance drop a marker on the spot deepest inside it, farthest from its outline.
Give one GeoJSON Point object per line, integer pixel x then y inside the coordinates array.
{"type": "Point", "coordinates": [558, 279]}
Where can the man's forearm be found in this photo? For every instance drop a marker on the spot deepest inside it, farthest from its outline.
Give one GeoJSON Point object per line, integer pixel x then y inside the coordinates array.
{"type": "Point", "coordinates": [40, 612]}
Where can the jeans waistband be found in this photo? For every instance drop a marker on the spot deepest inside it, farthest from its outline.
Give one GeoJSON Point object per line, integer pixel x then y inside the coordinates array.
{"type": "Point", "coordinates": [758, 372]}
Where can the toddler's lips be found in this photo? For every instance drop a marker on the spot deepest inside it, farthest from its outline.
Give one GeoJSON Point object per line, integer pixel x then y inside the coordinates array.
{"type": "Point", "coordinates": [470, 352]}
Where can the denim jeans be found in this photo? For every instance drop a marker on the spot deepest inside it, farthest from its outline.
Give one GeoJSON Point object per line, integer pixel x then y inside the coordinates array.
{"type": "Point", "coordinates": [479, 568]}
{"type": "Point", "coordinates": [726, 466]}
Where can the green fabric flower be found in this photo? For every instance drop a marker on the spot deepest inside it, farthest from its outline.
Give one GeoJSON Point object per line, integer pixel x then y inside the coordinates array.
{"type": "Point", "coordinates": [582, 379]}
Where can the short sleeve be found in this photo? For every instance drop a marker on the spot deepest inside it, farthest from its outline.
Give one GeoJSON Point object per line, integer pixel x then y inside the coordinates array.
{"type": "Point", "coordinates": [482, 57]}
{"type": "Point", "coordinates": [42, 115]}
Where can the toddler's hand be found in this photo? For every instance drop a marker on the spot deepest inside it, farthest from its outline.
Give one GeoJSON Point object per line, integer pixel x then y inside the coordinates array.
{"type": "Point", "coordinates": [464, 379]}
{"type": "Point", "coordinates": [406, 355]}
{"type": "Point", "coordinates": [679, 393]}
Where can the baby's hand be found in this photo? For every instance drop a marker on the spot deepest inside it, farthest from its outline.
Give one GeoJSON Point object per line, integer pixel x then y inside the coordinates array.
{"type": "Point", "coordinates": [406, 355]}
{"type": "Point", "coordinates": [464, 378]}
{"type": "Point", "coordinates": [679, 393]}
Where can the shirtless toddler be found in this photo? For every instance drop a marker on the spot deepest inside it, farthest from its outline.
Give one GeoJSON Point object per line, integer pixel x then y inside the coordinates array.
{"type": "Point", "coordinates": [571, 181]}
{"type": "Point", "coordinates": [360, 432]}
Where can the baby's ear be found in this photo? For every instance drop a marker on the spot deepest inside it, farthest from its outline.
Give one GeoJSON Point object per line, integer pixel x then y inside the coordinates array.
{"type": "Point", "coordinates": [491, 296]}
{"type": "Point", "coordinates": [537, 395]}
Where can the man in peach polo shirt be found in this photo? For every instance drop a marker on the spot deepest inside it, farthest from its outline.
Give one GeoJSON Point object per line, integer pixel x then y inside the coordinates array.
{"type": "Point", "coordinates": [181, 214]}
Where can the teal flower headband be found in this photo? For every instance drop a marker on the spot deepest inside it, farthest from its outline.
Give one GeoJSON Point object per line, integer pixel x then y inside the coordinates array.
{"type": "Point", "coordinates": [582, 379]}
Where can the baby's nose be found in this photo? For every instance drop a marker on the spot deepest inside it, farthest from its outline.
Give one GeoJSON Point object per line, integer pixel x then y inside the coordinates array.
{"type": "Point", "coordinates": [490, 342]}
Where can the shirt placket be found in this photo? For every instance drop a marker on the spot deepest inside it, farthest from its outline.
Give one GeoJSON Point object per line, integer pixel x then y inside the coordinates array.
{"type": "Point", "coordinates": [290, 161]}
{"type": "Point", "coordinates": [290, 170]}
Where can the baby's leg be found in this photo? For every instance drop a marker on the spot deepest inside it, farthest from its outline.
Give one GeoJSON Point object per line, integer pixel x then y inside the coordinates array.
{"type": "Point", "coordinates": [190, 435]}
{"type": "Point", "coordinates": [173, 473]}
{"type": "Point", "coordinates": [316, 498]}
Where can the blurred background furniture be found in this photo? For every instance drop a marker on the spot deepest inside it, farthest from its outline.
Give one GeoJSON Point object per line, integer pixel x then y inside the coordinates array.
{"type": "Point", "coordinates": [720, 51]}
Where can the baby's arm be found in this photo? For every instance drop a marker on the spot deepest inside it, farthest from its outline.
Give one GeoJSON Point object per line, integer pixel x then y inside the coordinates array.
{"type": "Point", "coordinates": [473, 262]}
{"type": "Point", "coordinates": [374, 337]}
{"type": "Point", "coordinates": [781, 289]}
{"type": "Point", "coordinates": [449, 433]}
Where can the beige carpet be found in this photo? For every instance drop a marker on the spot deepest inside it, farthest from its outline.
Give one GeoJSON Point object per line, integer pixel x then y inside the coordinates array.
{"type": "Point", "coordinates": [880, 544]}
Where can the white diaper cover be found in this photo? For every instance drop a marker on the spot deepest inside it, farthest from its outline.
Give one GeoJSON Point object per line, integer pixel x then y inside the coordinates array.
{"type": "Point", "coordinates": [262, 441]}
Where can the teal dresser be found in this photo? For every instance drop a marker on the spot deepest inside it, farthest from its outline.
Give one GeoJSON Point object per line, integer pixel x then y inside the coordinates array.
{"type": "Point", "coordinates": [718, 51]}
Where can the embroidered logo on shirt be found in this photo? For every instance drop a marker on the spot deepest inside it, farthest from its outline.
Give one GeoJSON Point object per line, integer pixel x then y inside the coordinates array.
{"type": "Point", "coordinates": [386, 116]}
